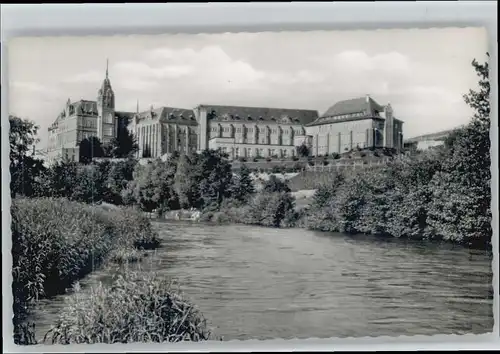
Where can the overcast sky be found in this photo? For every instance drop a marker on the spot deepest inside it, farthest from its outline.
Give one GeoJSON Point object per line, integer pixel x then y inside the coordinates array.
{"type": "Point", "coordinates": [422, 73]}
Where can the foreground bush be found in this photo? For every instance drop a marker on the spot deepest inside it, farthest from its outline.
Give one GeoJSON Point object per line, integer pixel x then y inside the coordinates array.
{"type": "Point", "coordinates": [136, 308]}
{"type": "Point", "coordinates": [56, 242]}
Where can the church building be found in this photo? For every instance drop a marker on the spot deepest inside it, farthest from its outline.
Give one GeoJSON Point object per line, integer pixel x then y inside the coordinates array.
{"type": "Point", "coordinates": [241, 132]}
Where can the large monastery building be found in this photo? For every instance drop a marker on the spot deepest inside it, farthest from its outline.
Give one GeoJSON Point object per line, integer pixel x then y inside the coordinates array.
{"type": "Point", "coordinates": [236, 130]}
{"type": "Point", "coordinates": [252, 131]}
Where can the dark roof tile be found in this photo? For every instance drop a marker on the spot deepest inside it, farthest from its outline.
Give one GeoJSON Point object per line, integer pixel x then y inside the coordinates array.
{"type": "Point", "coordinates": [353, 109]}
{"type": "Point", "coordinates": [170, 115]}
{"type": "Point", "coordinates": [263, 114]}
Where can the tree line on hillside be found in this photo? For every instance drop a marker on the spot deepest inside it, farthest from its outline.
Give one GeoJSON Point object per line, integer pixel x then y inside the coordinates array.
{"type": "Point", "coordinates": [442, 194]}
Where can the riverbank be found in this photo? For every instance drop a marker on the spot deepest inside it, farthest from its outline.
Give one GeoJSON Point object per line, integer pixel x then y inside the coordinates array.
{"type": "Point", "coordinates": [57, 242]}
{"type": "Point", "coordinates": [263, 283]}
{"type": "Point", "coordinates": [357, 204]}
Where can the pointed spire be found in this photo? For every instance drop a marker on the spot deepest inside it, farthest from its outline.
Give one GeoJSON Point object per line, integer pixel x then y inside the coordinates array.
{"type": "Point", "coordinates": [137, 106]}
{"type": "Point", "coordinates": [107, 65]}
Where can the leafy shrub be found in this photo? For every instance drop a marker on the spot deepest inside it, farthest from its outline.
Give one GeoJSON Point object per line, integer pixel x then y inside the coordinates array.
{"type": "Point", "coordinates": [268, 209]}
{"type": "Point", "coordinates": [136, 308]}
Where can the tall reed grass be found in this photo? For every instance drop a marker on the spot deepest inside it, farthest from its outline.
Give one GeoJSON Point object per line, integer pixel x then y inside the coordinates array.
{"type": "Point", "coordinates": [137, 307]}
{"type": "Point", "coordinates": [56, 242]}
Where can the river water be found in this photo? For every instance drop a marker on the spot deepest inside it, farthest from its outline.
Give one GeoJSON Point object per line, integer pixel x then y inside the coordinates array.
{"type": "Point", "coordinates": [263, 283]}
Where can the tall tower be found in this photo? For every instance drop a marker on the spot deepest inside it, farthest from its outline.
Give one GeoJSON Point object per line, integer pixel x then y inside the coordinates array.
{"type": "Point", "coordinates": [106, 122]}
{"type": "Point", "coordinates": [389, 127]}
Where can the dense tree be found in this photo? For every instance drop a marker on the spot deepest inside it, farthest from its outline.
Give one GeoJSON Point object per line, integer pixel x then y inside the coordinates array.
{"type": "Point", "coordinates": [243, 185]}
{"type": "Point", "coordinates": [326, 191]}
{"type": "Point", "coordinates": [60, 179]}
{"type": "Point", "coordinates": [203, 179]}
{"type": "Point", "coordinates": [89, 148]}
{"type": "Point", "coordinates": [303, 150]}
{"type": "Point", "coordinates": [22, 137]}
{"type": "Point", "coordinates": [186, 181]}
{"type": "Point", "coordinates": [25, 170]}
{"type": "Point", "coordinates": [119, 175]}
{"type": "Point", "coordinates": [152, 187]}
{"type": "Point", "coordinates": [274, 184]}
{"type": "Point", "coordinates": [89, 184]}
{"type": "Point", "coordinates": [124, 145]}
{"type": "Point", "coordinates": [461, 207]}
{"type": "Point", "coordinates": [216, 178]}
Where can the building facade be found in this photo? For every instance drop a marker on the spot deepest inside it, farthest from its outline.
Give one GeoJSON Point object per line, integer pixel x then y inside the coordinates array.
{"type": "Point", "coordinates": [164, 130]}
{"type": "Point", "coordinates": [241, 132]}
{"type": "Point", "coordinates": [356, 123]}
{"type": "Point", "coordinates": [83, 119]}
{"type": "Point", "coordinates": [248, 132]}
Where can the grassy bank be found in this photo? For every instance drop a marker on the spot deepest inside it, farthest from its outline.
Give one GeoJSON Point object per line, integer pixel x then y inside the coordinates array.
{"type": "Point", "coordinates": [56, 242]}
{"type": "Point", "coordinates": [136, 308]}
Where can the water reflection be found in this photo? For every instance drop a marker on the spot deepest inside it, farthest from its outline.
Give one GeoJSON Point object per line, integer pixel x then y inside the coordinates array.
{"type": "Point", "coordinates": [258, 283]}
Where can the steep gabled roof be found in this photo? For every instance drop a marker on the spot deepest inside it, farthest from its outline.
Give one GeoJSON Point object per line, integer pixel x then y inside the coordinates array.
{"type": "Point", "coordinates": [85, 107]}
{"type": "Point", "coordinates": [81, 107]}
{"type": "Point", "coordinates": [263, 114]}
{"type": "Point", "coordinates": [352, 109]}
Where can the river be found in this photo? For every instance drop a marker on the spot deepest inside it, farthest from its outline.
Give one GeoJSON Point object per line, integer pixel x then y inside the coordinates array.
{"type": "Point", "coordinates": [263, 283]}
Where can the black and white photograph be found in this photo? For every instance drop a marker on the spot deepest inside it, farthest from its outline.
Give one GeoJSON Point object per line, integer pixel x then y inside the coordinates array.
{"type": "Point", "coordinates": [196, 187]}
